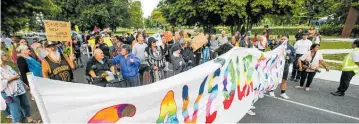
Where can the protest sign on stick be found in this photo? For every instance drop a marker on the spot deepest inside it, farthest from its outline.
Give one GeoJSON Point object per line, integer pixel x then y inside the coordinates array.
{"type": "Point", "coordinates": [57, 30]}
{"type": "Point", "coordinates": [198, 41]}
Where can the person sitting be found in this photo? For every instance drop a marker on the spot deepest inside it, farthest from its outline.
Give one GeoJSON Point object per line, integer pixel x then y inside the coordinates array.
{"type": "Point", "coordinates": [97, 66]}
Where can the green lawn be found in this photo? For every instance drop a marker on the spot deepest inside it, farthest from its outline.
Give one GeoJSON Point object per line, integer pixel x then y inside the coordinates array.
{"type": "Point", "coordinates": [334, 66]}
{"type": "Point", "coordinates": [338, 57]}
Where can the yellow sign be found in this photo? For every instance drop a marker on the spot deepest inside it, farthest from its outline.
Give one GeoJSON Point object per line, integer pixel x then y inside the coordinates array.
{"type": "Point", "coordinates": [108, 41]}
{"type": "Point", "coordinates": [57, 30]}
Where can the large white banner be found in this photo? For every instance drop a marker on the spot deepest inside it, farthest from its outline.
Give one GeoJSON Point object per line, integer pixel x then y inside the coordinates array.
{"type": "Point", "coordinates": [219, 91]}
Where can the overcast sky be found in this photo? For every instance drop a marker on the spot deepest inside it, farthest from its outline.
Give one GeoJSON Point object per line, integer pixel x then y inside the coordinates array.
{"type": "Point", "coordinates": [148, 6]}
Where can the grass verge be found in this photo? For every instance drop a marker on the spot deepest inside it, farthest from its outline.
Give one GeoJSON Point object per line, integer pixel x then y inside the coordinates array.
{"type": "Point", "coordinates": [338, 57]}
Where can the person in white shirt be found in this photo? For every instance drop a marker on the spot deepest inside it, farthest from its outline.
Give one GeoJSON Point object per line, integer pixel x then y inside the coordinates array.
{"type": "Point", "coordinates": [223, 39]}
{"type": "Point", "coordinates": [301, 47]}
{"type": "Point", "coordinates": [349, 70]}
{"type": "Point", "coordinates": [309, 65]}
{"type": "Point", "coordinates": [262, 44]}
{"type": "Point", "coordinates": [317, 38]}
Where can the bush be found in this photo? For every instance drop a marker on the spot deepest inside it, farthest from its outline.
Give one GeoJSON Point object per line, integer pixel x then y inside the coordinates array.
{"type": "Point", "coordinates": [330, 30]}
{"type": "Point", "coordinates": [277, 31]}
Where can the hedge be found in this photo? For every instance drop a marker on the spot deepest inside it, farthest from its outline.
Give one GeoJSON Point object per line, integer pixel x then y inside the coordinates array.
{"type": "Point", "coordinates": [326, 30]}
{"type": "Point", "coordinates": [330, 30]}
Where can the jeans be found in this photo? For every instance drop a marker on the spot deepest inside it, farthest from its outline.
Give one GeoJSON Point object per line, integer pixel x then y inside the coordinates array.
{"type": "Point", "coordinates": [19, 107]}
{"type": "Point", "coordinates": [307, 75]}
{"type": "Point", "coordinates": [345, 80]}
{"type": "Point", "coordinates": [213, 55]}
{"type": "Point", "coordinates": [132, 81]}
{"type": "Point", "coordinates": [295, 70]}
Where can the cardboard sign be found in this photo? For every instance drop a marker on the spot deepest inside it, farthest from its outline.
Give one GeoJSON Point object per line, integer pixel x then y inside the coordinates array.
{"type": "Point", "coordinates": [57, 30]}
{"type": "Point", "coordinates": [198, 41]}
{"type": "Point", "coordinates": [168, 36]}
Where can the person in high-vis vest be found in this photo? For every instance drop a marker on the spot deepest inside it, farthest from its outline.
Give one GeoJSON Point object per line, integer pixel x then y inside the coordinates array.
{"type": "Point", "coordinates": [349, 70]}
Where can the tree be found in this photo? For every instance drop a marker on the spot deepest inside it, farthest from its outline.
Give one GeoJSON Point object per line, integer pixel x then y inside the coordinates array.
{"type": "Point", "coordinates": [238, 13]}
{"type": "Point", "coordinates": [136, 19]}
{"type": "Point", "coordinates": [16, 13]}
{"type": "Point", "coordinates": [157, 19]}
{"type": "Point", "coordinates": [90, 13]}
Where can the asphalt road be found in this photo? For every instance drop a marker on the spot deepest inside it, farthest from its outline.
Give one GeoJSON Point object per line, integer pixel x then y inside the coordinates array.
{"type": "Point", "coordinates": [273, 110]}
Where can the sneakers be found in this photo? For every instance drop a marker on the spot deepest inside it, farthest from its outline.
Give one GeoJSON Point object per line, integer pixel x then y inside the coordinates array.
{"type": "Point", "coordinates": [307, 89]}
{"type": "Point", "coordinates": [337, 93]}
{"type": "Point", "coordinates": [296, 80]}
{"type": "Point", "coordinates": [284, 96]}
{"type": "Point", "coordinates": [253, 107]}
{"type": "Point", "coordinates": [271, 93]}
{"type": "Point", "coordinates": [250, 112]}
{"type": "Point", "coordinates": [298, 87]}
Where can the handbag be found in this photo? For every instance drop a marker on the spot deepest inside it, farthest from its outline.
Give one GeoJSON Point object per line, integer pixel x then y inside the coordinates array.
{"type": "Point", "coordinates": [307, 65]}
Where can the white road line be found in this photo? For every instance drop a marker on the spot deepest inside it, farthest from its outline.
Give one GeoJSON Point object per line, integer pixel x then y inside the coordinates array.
{"type": "Point", "coordinates": [336, 113]}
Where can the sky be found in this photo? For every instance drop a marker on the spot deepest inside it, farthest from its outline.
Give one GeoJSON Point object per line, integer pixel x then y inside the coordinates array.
{"type": "Point", "coordinates": [148, 6]}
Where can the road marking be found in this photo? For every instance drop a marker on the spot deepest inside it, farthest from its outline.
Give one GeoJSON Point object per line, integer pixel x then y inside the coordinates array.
{"type": "Point", "coordinates": [336, 113]}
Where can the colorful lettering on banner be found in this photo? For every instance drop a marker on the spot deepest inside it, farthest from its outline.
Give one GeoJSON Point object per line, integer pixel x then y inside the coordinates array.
{"type": "Point", "coordinates": [113, 114]}
{"type": "Point", "coordinates": [168, 107]}
{"type": "Point", "coordinates": [185, 98]}
{"type": "Point", "coordinates": [229, 95]}
{"type": "Point", "coordinates": [212, 90]}
{"type": "Point", "coordinates": [248, 73]}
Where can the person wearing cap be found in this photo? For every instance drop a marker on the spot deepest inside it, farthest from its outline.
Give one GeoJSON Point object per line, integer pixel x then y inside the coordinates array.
{"type": "Point", "coordinates": [129, 66]}
{"type": "Point", "coordinates": [56, 66]}
{"type": "Point", "coordinates": [177, 60]}
{"type": "Point", "coordinates": [349, 70]}
{"type": "Point", "coordinates": [155, 56]}
{"type": "Point", "coordinates": [301, 47]}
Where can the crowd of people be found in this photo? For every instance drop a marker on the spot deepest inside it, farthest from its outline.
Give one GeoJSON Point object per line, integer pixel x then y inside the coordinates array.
{"type": "Point", "coordinates": [132, 60]}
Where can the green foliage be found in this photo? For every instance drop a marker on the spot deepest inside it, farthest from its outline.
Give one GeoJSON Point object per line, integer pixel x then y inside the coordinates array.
{"type": "Point", "coordinates": [330, 30]}
{"type": "Point", "coordinates": [278, 31]}
{"type": "Point", "coordinates": [16, 13]}
{"type": "Point", "coordinates": [88, 14]}
{"type": "Point", "coordinates": [156, 19]}
{"type": "Point", "coordinates": [136, 19]}
{"type": "Point", "coordinates": [209, 13]}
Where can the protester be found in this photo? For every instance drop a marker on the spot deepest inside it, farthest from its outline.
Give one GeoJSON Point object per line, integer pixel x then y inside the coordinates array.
{"type": "Point", "coordinates": [178, 62]}
{"type": "Point", "coordinates": [32, 51]}
{"type": "Point", "coordinates": [156, 62]}
{"type": "Point", "coordinates": [301, 47]}
{"type": "Point", "coordinates": [104, 47]}
{"type": "Point", "coordinates": [235, 39]}
{"type": "Point", "coordinates": [223, 38]}
{"type": "Point", "coordinates": [214, 45]}
{"type": "Point", "coordinates": [312, 33]}
{"type": "Point", "coordinates": [56, 66]}
{"type": "Point", "coordinates": [299, 35]}
{"type": "Point", "coordinates": [290, 55]}
{"type": "Point", "coordinates": [309, 65]}
{"type": "Point", "coordinates": [97, 66]}
{"type": "Point", "coordinates": [14, 93]}
{"type": "Point", "coordinates": [262, 44]}
{"type": "Point", "coordinates": [188, 56]}
{"type": "Point", "coordinates": [318, 38]}
{"type": "Point", "coordinates": [349, 70]}
{"type": "Point", "coordinates": [129, 66]}
{"type": "Point", "coordinates": [116, 50]}
{"type": "Point", "coordinates": [76, 46]}
{"type": "Point", "coordinates": [246, 42]}
{"type": "Point", "coordinates": [139, 52]}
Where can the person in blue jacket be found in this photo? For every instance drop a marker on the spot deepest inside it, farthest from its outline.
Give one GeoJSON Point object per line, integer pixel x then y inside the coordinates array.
{"type": "Point", "coordinates": [129, 66]}
{"type": "Point", "coordinates": [290, 55]}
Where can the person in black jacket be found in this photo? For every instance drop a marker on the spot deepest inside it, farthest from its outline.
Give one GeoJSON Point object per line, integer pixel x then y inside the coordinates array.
{"type": "Point", "coordinates": [177, 60]}
{"type": "Point", "coordinates": [188, 56]}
